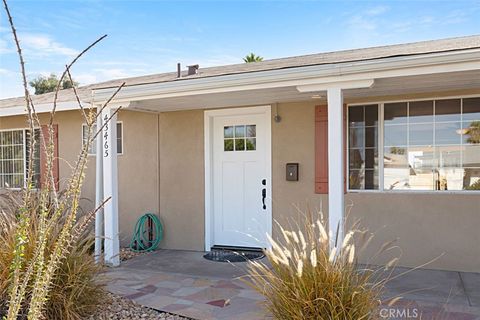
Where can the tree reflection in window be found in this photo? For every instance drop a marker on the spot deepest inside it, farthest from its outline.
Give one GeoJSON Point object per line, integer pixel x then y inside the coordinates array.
{"type": "Point", "coordinates": [432, 145]}
{"type": "Point", "coordinates": [240, 138]}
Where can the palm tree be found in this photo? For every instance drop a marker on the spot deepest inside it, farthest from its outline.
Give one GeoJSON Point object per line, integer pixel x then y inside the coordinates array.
{"type": "Point", "coordinates": [252, 58]}
{"type": "Point", "coordinates": [474, 132]}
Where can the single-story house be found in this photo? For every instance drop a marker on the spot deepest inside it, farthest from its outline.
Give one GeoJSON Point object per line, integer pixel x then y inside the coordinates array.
{"type": "Point", "coordinates": [221, 153]}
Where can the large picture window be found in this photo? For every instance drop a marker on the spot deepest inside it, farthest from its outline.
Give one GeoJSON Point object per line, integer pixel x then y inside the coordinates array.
{"type": "Point", "coordinates": [426, 145]}
{"type": "Point", "coordinates": [14, 146]}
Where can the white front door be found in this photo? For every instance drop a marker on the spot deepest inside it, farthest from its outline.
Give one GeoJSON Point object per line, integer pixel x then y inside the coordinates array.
{"type": "Point", "coordinates": [242, 210]}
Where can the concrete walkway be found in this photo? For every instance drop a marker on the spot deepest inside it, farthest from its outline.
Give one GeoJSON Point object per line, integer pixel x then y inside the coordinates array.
{"type": "Point", "coordinates": [184, 283]}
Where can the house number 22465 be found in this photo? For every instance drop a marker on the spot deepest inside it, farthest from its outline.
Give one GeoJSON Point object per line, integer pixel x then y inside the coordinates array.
{"type": "Point", "coordinates": [106, 146]}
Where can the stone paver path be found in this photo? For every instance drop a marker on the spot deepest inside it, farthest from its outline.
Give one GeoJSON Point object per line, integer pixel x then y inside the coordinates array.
{"type": "Point", "coordinates": [186, 295]}
{"type": "Point", "coordinates": [182, 282]}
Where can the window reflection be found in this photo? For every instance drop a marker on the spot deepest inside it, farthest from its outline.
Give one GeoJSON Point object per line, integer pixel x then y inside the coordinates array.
{"type": "Point", "coordinates": [357, 137]}
{"type": "Point", "coordinates": [429, 147]}
{"type": "Point", "coordinates": [356, 159]}
{"type": "Point", "coordinates": [448, 133]}
{"type": "Point", "coordinates": [395, 135]}
{"type": "Point", "coordinates": [420, 112]}
{"type": "Point", "coordinates": [395, 113]}
{"type": "Point", "coordinates": [240, 138]}
{"type": "Point", "coordinates": [471, 179]}
{"type": "Point", "coordinates": [448, 110]}
{"type": "Point", "coordinates": [471, 132]}
{"type": "Point", "coordinates": [420, 134]}
{"type": "Point", "coordinates": [471, 156]}
{"type": "Point", "coordinates": [471, 139]}
{"type": "Point", "coordinates": [471, 109]}
{"type": "Point", "coordinates": [396, 169]}
{"type": "Point", "coordinates": [449, 178]}
{"type": "Point", "coordinates": [363, 147]}
{"type": "Point", "coordinates": [448, 156]}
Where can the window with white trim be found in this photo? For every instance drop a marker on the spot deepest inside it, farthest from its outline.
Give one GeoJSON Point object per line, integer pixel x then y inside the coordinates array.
{"type": "Point", "coordinates": [14, 155]}
{"type": "Point", "coordinates": [428, 145]}
{"type": "Point", "coordinates": [363, 147]}
{"type": "Point", "coordinates": [93, 147]}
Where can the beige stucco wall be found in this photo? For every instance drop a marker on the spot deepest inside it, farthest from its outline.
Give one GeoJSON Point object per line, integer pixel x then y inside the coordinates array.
{"type": "Point", "coordinates": [138, 191]}
{"type": "Point", "coordinates": [70, 142]}
{"type": "Point", "coordinates": [137, 166]}
{"type": "Point", "coordinates": [444, 227]}
{"type": "Point", "coordinates": [293, 140]}
{"type": "Point", "coordinates": [182, 179]}
{"type": "Point", "coordinates": [426, 225]}
{"type": "Point", "coordinates": [440, 227]}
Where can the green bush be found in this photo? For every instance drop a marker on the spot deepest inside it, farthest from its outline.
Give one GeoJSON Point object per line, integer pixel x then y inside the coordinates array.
{"type": "Point", "coordinates": [75, 289]}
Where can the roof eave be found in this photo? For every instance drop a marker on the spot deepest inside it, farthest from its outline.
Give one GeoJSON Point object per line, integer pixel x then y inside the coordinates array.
{"type": "Point", "coordinates": [419, 64]}
{"type": "Point", "coordinates": [452, 61]}
{"type": "Point", "coordinates": [42, 108]}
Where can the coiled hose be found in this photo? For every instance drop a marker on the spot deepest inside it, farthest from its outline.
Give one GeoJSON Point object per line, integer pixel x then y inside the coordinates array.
{"type": "Point", "coordinates": [147, 234]}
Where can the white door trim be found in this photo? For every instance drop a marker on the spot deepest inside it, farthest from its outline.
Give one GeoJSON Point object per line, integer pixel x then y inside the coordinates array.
{"type": "Point", "coordinates": [208, 137]}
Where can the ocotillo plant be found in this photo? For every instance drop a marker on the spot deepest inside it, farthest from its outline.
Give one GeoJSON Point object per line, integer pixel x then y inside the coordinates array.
{"type": "Point", "coordinates": [51, 207]}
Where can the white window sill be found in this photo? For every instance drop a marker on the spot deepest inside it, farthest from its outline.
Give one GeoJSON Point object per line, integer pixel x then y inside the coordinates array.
{"type": "Point", "coordinates": [454, 192]}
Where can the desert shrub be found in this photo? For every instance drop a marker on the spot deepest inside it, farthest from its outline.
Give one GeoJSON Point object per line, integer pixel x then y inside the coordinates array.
{"type": "Point", "coordinates": [75, 289]}
{"type": "Point", "coordinates": [474, 186]}
{"type": "Point", "coordinates": [305, 279]}
{"type": "Point", "coordinates": [44, 245]}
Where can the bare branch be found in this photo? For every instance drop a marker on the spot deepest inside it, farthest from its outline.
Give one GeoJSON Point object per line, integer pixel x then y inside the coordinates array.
{"type": "Point", "coordinates": [89, 216]}
{"type": "Point", "coordinates": [76, 94]}
{"type": "Point", "coordinates": [65, 72]}
{"type": "Point", "coordinates": [17, 290]}
{"type": "Point", "coordinates": [26, 92]}
{"type": "Point", "coordinates": [99, 112]}
{"type": "Point", "coordinates": [41, 267]}
{"type": "Point", "coordinates": [105, 122]}
{"type": "Point", "coordinates": [20, 56]}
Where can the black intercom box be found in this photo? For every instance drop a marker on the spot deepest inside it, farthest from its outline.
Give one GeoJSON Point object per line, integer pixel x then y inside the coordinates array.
{"type": "Point", "coordinates": [292, 171]}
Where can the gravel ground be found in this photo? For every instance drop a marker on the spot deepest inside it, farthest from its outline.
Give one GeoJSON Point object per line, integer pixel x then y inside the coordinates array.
{"type": "Point", "coordinates": [119, 308]}
{"type": "Point", "coordinates": [127, 254]}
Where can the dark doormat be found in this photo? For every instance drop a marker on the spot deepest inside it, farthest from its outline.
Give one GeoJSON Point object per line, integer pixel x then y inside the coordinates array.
{"type": "Point", "coordinates": [233, 256]}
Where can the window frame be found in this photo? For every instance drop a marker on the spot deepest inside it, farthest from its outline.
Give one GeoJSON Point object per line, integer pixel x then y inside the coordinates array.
{"type": "Point", "coordinates": [245, 137]}
{"type": "Point", "coordinates": [121, 139]}
{"type": "Point", "coordinates": [347, 147]}
{"type": "Point", "coordinates": [24, 142]}
{"type": "Point", "coordinates": [381, 123]}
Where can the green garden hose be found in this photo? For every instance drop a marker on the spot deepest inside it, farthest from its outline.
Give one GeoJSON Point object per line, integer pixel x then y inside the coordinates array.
{"type": "Point", "coordinates": [147, 237]}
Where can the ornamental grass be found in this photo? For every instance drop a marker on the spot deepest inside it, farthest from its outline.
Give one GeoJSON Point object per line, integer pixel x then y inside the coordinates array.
{"type": "Point", "coordinates": [310, 275]}
{"type": "Point", "coordinates": [46, 268]}
{"type": "Point", "coordinates": [75, 289]}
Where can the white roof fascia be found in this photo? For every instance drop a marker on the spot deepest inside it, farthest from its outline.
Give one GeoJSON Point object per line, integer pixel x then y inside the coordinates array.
{"type": "Point", "coordinates": [420, 64]}
{"type": "Point", "coordinates": [453, 61]}
{"type": "Point", "coordinates": [42, 108]}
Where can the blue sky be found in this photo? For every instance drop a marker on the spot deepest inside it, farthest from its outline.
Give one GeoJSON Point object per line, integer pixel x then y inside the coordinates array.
{"type": "Point", "coordinates": [147, 37]}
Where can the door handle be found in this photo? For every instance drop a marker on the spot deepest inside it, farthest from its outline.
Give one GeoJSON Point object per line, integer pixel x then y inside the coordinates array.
{"type": "Point", "coordinates": [264, 195]}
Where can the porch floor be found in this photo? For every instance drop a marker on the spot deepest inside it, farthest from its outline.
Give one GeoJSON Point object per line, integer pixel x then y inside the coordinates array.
{"type": "Point", "coordinates": [184, 283]}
